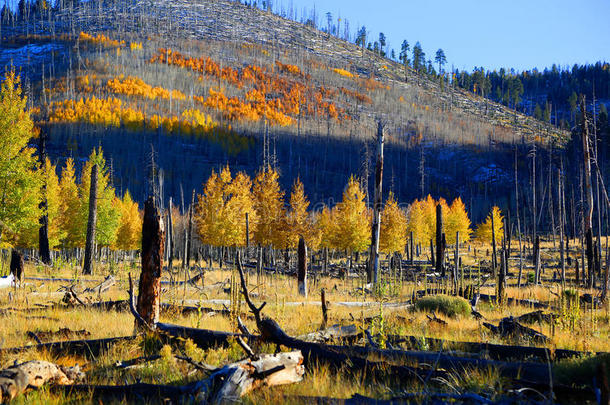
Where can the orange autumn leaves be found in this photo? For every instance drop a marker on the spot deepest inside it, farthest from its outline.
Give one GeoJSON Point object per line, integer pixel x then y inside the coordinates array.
{"type": "Point", "coordinates": [275, 98]}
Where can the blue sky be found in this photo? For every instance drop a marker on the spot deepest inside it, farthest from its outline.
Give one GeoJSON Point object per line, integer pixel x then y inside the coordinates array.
{"type": "Point", "coordinates": [520, 33]}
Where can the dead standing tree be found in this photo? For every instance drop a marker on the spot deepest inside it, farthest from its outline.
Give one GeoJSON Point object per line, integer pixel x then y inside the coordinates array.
{"type": "Point", "coordinates": [43, 231]}
{"type": "Point", "coordinates": [91, 222]}
{"type": "Point", "coordinates": [152, 264]}
{"type": "Point", "coordinates": [588, 213]}
{"type": "Point", "coordinates": [440, 242]}
{"type": "Point", "coordinates": [302, 267]}
{"type": "Point", "coordinates": [373, 265]}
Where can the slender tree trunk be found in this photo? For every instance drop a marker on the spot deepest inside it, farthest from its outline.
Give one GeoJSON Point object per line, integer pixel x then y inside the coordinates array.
{"type": "Point", "coordinates": [302, 267]}
{"type": "Point", "coordinates": [494, 262]}
{"type": "Point", "coordinates": [152, 262]}
{"type": "Point", "coordinates": [170, 236]}
{"type": "Point", "coordinates": [373, 265]}
{"type": "Point", "coordinates": [91, 223]}
{"type": "Point", "coordinates": [561, 241]}
{"type": "Point", "coordinates": [588, 215]}
{"type": "Point", "coordinates": [411, 249]}
{"type": "Point", "coordinates": [43, 232]}
{"type": "Point", "coordinates": [189, 233]}
{"type": "Point", "coordinates": [537, 260]}
{"type": "Point", "coordinates": [456, 271]}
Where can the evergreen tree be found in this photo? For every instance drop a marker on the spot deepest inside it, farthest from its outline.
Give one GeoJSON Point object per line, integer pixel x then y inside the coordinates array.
{"type": "Point", "coordinates": [440, 59]}
{"type": "Point", "coordinates": [404, 53]}
{"type": "Point", "coordinates": [419, 57]}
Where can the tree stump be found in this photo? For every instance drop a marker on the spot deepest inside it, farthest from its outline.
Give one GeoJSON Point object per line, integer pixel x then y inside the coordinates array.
{"type": "Point", "coordinates": [17, 265]}
{"type": "Point", "coordinates": [152, 264]}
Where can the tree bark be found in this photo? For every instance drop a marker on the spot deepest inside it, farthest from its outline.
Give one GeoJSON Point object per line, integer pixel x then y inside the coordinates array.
{"type": "Point", "coordinates": [302, 267]}
{"type": "Point", "coordinates": [43, 232]}
{"type": "Point", "coordinates": [373, 265]}
{"type": "Point", "coordinates": [588, 214]}
{"type": "Point", "coordinates": [494, 258]}
{"type": "Point", "coordinates": [91, 223]}
{"type": "Point", "coordinates": [152, 264]}
{"type": "Point", "coordinates": [17, 265]}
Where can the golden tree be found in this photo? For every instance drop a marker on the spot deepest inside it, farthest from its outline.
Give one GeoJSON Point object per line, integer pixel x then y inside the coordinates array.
{"type": "Point", "coordinates": [20, 181]}
{"type": "Point", "coordinates": [107, 213]}
{"type": "Point", "coordinates": [483, 231]}
{"type": "Point", "coordinates": [457, 221]}
{"type": "Point", "coordinates": [353, 224]}
{"type": "Point", "coordinates": [298, 219]}
{"type": "Point", "coordinates": [325, 228]}
{"type": "Point", "coordinates": [69, 207]}
{"type": "Point", "coordinates": [212, 215]}
{"type": "Point", "coordinates": [393, 232]}
{"type": "Point", "coordinates": [129, 233]}
{"type": "Point", "coordinates": [269, 207]}
{"type": "Point", "coordinates": [29, 236]}
{"type": "Point", "coordinates": [240, 203]}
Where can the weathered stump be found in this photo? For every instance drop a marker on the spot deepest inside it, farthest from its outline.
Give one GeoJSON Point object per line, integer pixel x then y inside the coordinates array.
{"type": "Point", "coordinates": [152, 264]}
{"type": "Point", "coordinates": [302, 267]}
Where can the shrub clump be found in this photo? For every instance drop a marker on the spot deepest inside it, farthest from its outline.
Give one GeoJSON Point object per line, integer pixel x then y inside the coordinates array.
{"type": "Point", "coordinates": [444, 304]}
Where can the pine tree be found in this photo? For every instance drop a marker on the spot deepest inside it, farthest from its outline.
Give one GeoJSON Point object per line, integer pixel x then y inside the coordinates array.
{"type": "Point", "coordinates": [20, 181]}
{"type": "Point", "coordinates": [440, 59]}
{"type": "Point", "coordinates": [483, 231]}
{"type": "Point", "coordinates": [269, 207]}
{"type": "Point", "coordinates": [457, 221]}
{"type": "Point", "coordinates": [393, 234]}
{"type": "Point", "coordinates": [352, 220]}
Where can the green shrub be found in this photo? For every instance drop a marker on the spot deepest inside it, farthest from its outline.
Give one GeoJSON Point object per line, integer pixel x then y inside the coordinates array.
{"type": "Point", "coordinates": [531, 277]}
{"type": "Point", "coordinates": [444, 304]}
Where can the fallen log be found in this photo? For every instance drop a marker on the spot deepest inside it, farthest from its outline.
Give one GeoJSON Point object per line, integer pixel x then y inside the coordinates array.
{"type": "Point", "coordinates": [17, 379]}
{"type": "Point", "coordinates": [225, 385]}
{"type": "Point", "coordinates": [105, 285]}
{"type": "Point", "coordinates": [201, 337]}
{"type": "Point", "coordinates": [332, 333]}
{"type": "Point", "coordinates": [90, 347]}
{"type": "Point", "coordinates": [536, 316]}
{"type": "Point", "coordinates": [62, 333]}
{"type": "Point", "coordinates": [510, 328]}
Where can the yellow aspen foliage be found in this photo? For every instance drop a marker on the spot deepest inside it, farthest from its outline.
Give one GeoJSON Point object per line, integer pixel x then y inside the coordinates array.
{"type": "Point", "coordinates": [298, 219]}
{"type": "Point", "coordinates": [129, 233]}
{"type": "Point", "coordinates": [212, 216]}
{"type": "Point", "coordinates": [457, 221]}
{"type": "Point", "coordinates": [269, 207]}
{"type": "Point", "coordinates": [343, 72]}
{"type": "Point", "coordinates": [28, 238]}
{"type": "Point", "coordinates": [241, 202]}
{"type": "Point", "coordinates": [416, 223]}
{"type": "Point", "coordinates": [393, 233]}
{"type": "Point", "coordinates": [134, 86]}
{"type": "Point", "coordinates": [20, 181]}
{"type": "Point", "coordinates": [352, 220]}
{"type": "Point", "coordinates": [70, 206]}
{"type": "Point", "coordinates": [108, 214]}
{"type": "Point", "coordinates": [325, 228]}
{"type": "Point", "coordinates": [100, 39]}
{"type": "Point", "coordinates": [483, 231]}
{"type": "Point", "coordinates": [422, 219]}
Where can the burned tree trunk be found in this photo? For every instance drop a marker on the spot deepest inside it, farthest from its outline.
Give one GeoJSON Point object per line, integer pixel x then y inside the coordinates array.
{"type": "Point", "coordinates": [189, 240]}
{"type": "Point", "coordinates": [440, 249]}
{"type": "Point", "coordinates": [588, 189]}
{"type": "Point", "coordinates": [411, 251]}
{"type": "Point", "coordinates": [17, 265]}
{"type": "Point", "coordinates": [373, 265]}
{"type": "Point", "coordinates": [561, 240]}
{"type": "Point", "coordinates": [170, 236]}
{"type": "Point", "coordinates": [43, 231]}
{"type": "Point", "coordinates": [302, 267]}
{"type": "Point", "coordinates": [91, 223]}
{"type": "Point", "coordinates": [537, 260]}
{"type": "Point", "coordinates": [494, 258]}
{"type": "Point", "coordinates": [152, 263]}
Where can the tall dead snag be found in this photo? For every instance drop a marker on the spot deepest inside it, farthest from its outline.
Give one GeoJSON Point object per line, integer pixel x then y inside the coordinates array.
{"type": "Point", "coordinates": [456, 268]}
{"type": "Point", "coordinates": [373, 265]}
{"type": "Point", "coordinates": [588, 213]}
{"type": "Point", "coordinates": [91, 222]}
{"type": "Point", "coordinates": [170, 236]}
{"type": "Point", "coordinates": [152, 263]}
{"type": "Point", "coordinates": [561, 241]}
{"type": "Point", "coordinates": [43, 232]}
{"type": "Point", "coordinates": [537, 260]}
{"type": "Point", "coordinates": [440, 248]}
{"type": "Point", "coordinates": [411, 251]}
{"type": "Point", "coordinates": [17, 265]}
{"type": "Point", "coordinates": [324, 309]}
{"type": "Point", "coordinates": [189, 235]}
{"type": "Point", "coordinates": [302, 267]}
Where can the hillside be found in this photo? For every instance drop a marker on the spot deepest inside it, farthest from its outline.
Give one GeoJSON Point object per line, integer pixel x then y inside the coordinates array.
{"type": "Point", "coordinates": [215, 82]}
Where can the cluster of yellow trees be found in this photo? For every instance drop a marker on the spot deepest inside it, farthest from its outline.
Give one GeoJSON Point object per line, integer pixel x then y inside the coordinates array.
{"type": "Point", "coordinates": [119, 220]}
{"type": "Point", "coordinates": [226, 199]}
